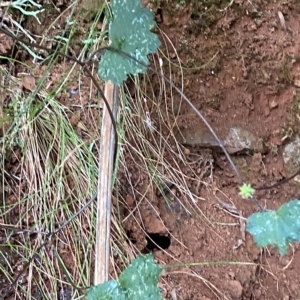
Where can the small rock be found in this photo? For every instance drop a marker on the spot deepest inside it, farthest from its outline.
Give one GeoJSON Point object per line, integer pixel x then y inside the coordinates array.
{"type": "Point", "coordinates": [256, 294]}
{"type": "Point", "coordinates": [235, 289]}
{"type": "Point", "coordinates": [291, 155]}
{"type": "Point", "coordinates": [6, 44]}
{"type": "Point", "coordinates": [297, 82]}
{"type": "Point", "coordinates": [273, 103]}
{"type": "Point", "coordinates": [186, 151]}
{"type": "Point", "coordinates": [130, 201]}
{"type": "Point", "coordinates": [258, 21]}
{"type": "Point", "coordinates": [28, 83]}
{"type": "Point", "coordinates": [244, 276]}
{"type": "Point", "coordinates": [237, 140]}
{"type": "Point", "coordinates": [201, 138]}
{"type": "Point", "coordinates": [240, 139]}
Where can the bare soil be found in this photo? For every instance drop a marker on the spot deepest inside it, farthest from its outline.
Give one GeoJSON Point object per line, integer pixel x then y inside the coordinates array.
{"type": "Point", "coordinates": [241, 68]}
{"type": "Point", "coordinates": [250, 81]}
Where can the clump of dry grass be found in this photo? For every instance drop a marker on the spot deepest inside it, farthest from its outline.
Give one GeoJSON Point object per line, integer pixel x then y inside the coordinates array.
{"type": "Point", "coordinates": [150, 156]}
{"type": "Point", "coordinates": [49, 173]}
{"type": "Point", "coordinates": [57, 176]}
{"type": "Point", "coordinates": [57, 172]}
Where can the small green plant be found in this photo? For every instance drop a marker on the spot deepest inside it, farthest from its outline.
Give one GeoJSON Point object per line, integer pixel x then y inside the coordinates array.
{"type": "Point", "coordinates": [276, 228]}
{"type": "Point", "coordinates": [246, 191]}
{"type": "Point", "coordinates": [137, 282]}
{"type": "Point", "coordinates": [129, 32]}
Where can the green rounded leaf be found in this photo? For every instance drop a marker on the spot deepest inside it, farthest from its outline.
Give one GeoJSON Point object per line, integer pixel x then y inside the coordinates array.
{"type": "Point", "coordinates": [109, 290]}
{"type": "Point", "coordinates": [129, 31]}
{"type": "Point", "coordinates": [137, 282]}
{"type": "Point", "coordinates": [276, 228]}
{"type": "Point", "coordinates": [140, 279]}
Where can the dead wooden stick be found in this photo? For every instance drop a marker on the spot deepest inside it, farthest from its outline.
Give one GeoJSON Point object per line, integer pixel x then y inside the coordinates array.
{"type": "Point", "coordinates": [106, 162]}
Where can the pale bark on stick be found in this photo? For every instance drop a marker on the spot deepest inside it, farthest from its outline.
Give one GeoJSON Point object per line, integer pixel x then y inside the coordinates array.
{"type": "Point", "coordinates": [106, 162]}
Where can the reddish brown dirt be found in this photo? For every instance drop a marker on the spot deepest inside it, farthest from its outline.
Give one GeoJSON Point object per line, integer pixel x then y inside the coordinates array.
{"type": "Point", "coordinates": [249, 79]}
{"type": "Point", "coordinates": [249, 82]}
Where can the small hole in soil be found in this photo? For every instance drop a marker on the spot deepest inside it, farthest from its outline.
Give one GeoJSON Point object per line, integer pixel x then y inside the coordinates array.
{"type": "Point", "coordinates": [129, 235]}
{"type": "Point", "coordinates": [156, 241]}
{"type": "Point", "coordinates": [195, 17]}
